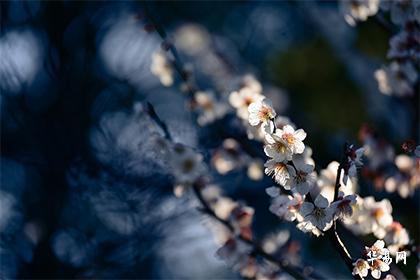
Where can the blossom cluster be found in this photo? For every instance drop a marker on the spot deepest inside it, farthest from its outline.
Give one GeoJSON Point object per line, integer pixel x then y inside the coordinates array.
{"type": "Point", "coordinates": [230, 157]}
{"type": "Point", "coordinates": [394, 173]}
{"type": "Point", "coordinates": [376, 259]}
{"type": "Point", "coordinates": [314, 200]}
{"type": "Point", "coordinates": [291, 166]}
{"type": "Point", "coordinates": [400, 76]}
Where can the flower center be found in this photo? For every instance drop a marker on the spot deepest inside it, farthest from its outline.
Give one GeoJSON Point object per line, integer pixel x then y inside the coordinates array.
{"type": "Point", "coordinates": [248, 100]}
{"type": "Point", "coordinates": [289, 138]}
{"type": "Point", "coordinates": [319, 213]}
{"type": "Point", "coordinates": [207, 105]}
{"type": "Point", "coordinates": [279, 167]}
{"type": "Point", "coordinates": [361, 265]}
{"type": "Point", "coordinates": [378, 213]}
{"type": "Point", "coordinates": [265, 114]}
{"type": "Point", "coordinates": [301, 176]}
{"type": "Point", "coordinates": [280, 147]}
{"type": "Point", "coordinates": [187, 165]}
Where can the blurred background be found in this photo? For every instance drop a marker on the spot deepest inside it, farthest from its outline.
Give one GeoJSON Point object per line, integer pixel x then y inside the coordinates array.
{"type": "Point", "coordinates": [83, 192]}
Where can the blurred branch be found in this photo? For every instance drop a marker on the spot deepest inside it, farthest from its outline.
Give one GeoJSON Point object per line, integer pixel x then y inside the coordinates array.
{"type": "Point", "coordinates": [158, 120]}
{"type": "Point", "coordinates": [294, 271]}
{"type": "Point", "coordinates": [167, 45]}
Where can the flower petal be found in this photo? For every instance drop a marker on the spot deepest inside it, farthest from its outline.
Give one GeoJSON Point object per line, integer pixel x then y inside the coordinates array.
{"type": "Point", "coordinates": [300, 134]}
{"type": "Point", "coordinates": [321, 202]}
{"type": "Point", "coordinates": [306, 209]}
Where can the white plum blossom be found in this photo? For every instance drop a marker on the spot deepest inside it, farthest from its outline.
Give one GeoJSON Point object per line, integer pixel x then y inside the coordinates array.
{"type": "Point", "coordinates": [285, 206]}
{"type": "Point", "coordinates": [326, 182]}
{"type": "Point", "coordinates": [320, 214]}
{"type": "Point", "coordinates": [162, 68]}
{"type": "Point", "coordinates": [277, 148]}
{"type": "Point", "coordinates": [229, 157]}
{"type": "Point", "coordinates": [361, 268]}
{"type": "Point", "coordinates": [344, 205]}
{"type": "Point", "coordinates": [377, 265]}
{"type": "Point", "coordinates": [261, 112]}
{"type": "Point", "coordinates": [279, 171]}
{"type": "Point", "coordinates": [358, 10]}
{"type": "Point", "coordinates": [241, 99]}
{"type": "Point", "coordinates": [293, 139]}
{"type": "Point", "coordinates": [377, 249]}
{"type": "Point", "coordinates": [306, 226]}
{"type": "Point", "coordinates": [407, 179]}
{"type": "Point", "coordinates": [354, 160]}
{"type": "Point", "coordinates": [208, 107]}
{"type": "Point", "coordinates": [187, 165]}
{"type": "Point", "coordinates": [397, 79]}
{"type": "Point", "coordinates": [397, 237]}
{"type": "Point", "coordinates": [370, 216]}
{"type": "Point", "coordinates": [255, 170]}
{"type": "Point", "coordinates": [301, 177]}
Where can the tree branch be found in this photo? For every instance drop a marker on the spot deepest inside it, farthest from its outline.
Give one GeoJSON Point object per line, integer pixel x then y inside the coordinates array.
{"type": "Point", "coordinates": [294, 271]}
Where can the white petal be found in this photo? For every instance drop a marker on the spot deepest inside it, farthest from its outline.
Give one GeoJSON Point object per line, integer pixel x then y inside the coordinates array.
{"type": "Point", "coordinates": [254, 107]}
{"type": "Point", "coordinates": [267, 128]}
{"type": "Point", "coordinates": [379, 244]}
{"type": "Point", "coordinates": [306, 209]}
{"type": "Point", "coordinates": [298, 147]}
{"type": "Point", "coordinates": [270, 151]}
{"type": "Point", "coordinates": [254, 120]}
{"type": "Point", "coordinates": [383, 266]}
{"type": "Point", "coordinates": [300, 134]}
{"type": "Point", "coordinates": [376, 273]}
{"type": "Point", "coordinates": [321, 202]}
{"type": "Point", "coordinates": [273, 191]}
{"type": "Point", "coordinates": [303, 188]}
{"type": "Point", "coordinates": [288, 129]}
{"type": "Point", "coordinates": [307, 168]}
{"type": "Point", "coordinates": [364, 272]}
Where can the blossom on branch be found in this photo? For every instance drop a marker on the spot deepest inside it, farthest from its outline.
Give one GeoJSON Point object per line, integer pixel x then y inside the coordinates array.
{"type": "Point", "coordinates": [162, 68]}
{"type": "Point", "coordinates": [261, 112]}
{"type": "Point", "coordinates": [319, 214]}
{"type": "Point", "coordinates": [361, 268]}
{"type": "Point", "coordinates": [358, 10]}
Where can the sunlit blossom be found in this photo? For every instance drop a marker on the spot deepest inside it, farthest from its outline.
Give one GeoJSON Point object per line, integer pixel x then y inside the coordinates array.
{"type": "Point", "coordinates": [241, 99]}
{"type": "Point", "coordinates": [186, 164]}
{"type": "Point", "coordinates": [397, 79]}
{"type": "Point", "coordinates": [361, 267]}
{"type": "Point", "coordinates": [279, 171]}
{"type": "Point", "coordinates": [261, 112]}
{"type": "Point", "coordinates": [208, 107]}
{"type": "Point", "coordinates": [344, 205]}
{"type": "Point", "coordinates": [162, 68]}
{"type": "Point", "coordinates": [358, 10]}
{"type": "Point", "coordinates": [396, 237]}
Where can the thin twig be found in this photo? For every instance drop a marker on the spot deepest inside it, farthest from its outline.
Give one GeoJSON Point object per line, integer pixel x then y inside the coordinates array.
{"type": "Point", "coordinates": [332, 233]}
{"type": "Point", "coordinates": [294, 271]}
{"type": "Point", "coordinates": [158, 120]}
